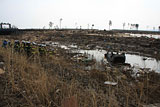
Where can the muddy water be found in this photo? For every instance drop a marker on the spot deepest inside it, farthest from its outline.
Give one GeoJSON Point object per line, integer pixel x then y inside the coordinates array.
{"type": "Point", "coordinates": [98, 55]}
{"type": "Point", "coordinates": [134, 60]}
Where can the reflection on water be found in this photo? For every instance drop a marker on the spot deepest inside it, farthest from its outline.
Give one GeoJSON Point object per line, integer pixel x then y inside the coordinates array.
{"type": "Point", "coordinates": [141, 61]}
{"type": "Point", "coordinates": [146, 35]}
{"type": "Point", "coordinates": [98, 55]}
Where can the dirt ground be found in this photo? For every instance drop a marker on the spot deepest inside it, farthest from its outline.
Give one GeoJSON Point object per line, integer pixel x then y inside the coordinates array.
{"type": "Point", "coordinates": [84, 39]}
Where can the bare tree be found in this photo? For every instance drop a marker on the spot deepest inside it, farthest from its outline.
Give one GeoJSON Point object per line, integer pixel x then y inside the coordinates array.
{"type": "Point", "coordinates": [50, 24]}
{"type": "Point", "coordinates": [124, 25]}
{"type": "Point", "coordinates": [110, 24]}
{"type": "Point", "coordinates": [88, 26]}
{"type": "Point", "coordinates": [133, 26]}
{"type": "Point", "coordinates": [137, 26]}
{"type": "Point", "coordinates": [92, 26]}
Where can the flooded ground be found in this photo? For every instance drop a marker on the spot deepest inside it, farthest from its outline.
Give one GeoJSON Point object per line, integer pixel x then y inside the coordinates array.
{"type": "Point", "coordinates": [133, 60]}
{"type": "Point", "coordinates": [143, 62]}
{"type": "Point", "coordinates": [145, 35]}
{"type": "Point", "coordinates": [98, 55]}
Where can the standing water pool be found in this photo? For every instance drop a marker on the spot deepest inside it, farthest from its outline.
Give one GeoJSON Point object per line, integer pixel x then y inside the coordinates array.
{"type": "Point", "coordinates": [141, 61]}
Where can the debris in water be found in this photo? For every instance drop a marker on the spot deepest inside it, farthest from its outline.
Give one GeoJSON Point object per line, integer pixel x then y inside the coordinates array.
{"type": "Point", "coordinates": [110, 83]}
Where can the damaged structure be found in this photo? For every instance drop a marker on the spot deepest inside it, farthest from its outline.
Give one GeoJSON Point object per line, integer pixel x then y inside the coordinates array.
{"type": "Point", "coordinates": [7, 30]}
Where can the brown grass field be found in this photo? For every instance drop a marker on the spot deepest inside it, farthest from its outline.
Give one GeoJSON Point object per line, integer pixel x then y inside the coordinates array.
{"type": "Point", "coordinates": [53, 81]}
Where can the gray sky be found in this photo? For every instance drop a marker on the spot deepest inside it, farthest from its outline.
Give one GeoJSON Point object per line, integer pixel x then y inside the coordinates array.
{"type": "Point", "coordinates": [38, 13]}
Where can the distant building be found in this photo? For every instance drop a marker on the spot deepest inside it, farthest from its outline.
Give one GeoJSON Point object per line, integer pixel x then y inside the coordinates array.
{"type": "Point", "coordinates": [4, 24]}
{"type": "Point", "coordinates": [7, 29]}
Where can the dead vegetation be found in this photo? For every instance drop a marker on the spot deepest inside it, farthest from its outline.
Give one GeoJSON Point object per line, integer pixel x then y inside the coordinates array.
{"type": "Point", "coordinates": [27, 83]}
{"type": "Point", "coordinates": [58, 81]}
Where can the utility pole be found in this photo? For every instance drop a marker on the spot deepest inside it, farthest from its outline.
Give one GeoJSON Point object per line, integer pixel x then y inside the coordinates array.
{"type": "Point", "coordinates": [110, 24]}
{"type": "Point", "coordinates": [60, 23]}
{"type": "Point", "coordinates": [88, 26]}
{"type": "Point", "coordinates": [76, 25]}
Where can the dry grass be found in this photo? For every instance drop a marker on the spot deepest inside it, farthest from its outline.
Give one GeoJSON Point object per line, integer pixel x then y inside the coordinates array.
{"type": "Point", "coordinates": [29, 84]}
{"type": "Point", "coordinates": [53, 82]}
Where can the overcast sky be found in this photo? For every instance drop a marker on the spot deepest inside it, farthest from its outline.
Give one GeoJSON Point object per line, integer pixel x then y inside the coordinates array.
{"type": "Point", "coordinates": [38, 13]}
